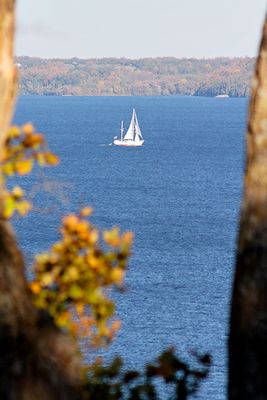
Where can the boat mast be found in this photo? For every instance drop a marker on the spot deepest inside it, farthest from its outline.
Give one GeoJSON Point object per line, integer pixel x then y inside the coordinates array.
{"type": "Point", "coordinates": [121, 130]}
{"type": "Point", "coordinates": [134, 129]}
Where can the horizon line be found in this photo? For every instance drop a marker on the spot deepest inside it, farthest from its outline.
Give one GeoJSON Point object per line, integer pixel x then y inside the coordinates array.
{"type": "Point", "coordinates": [134, 58]}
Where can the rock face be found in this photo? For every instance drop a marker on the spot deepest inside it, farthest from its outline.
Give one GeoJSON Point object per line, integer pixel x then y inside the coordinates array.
{"type": "Point", "coordinates": [37, 361]}
{"type": "Point", "coordinates": [248, 334]}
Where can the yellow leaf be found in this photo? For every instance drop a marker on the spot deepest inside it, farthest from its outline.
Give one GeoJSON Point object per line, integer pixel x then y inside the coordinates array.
{"type": "Point", "coordinates": [75, 292]}
{"type": "Point", "coordinates": [47, 279]}
{"type": "Point", "coordinates": [72, 274]}
{"type": "Point", "coordinates": [70, 221]}
{"type": "Point", "coordinates": [23, 207]}
{"type": "Point", "coordinates": [128, 238]}
{"type": "Point", "coordinates": [117, 276]}
{"type": "Point", "coordinates": [8, 169]}
{"type": "Point", "coordinates": [40, 159]}
{"type": "Point", "coordinates": [28, 128]}
{"type": "Point", "coordinates": [13, 132]}
{"type": "Point", "coordinates": [35, 287]}
{"type": "Point", "coordinates": [116, 325]}
{"type": "Point", "coordinates": [17, 192]}
{"type": "Point", "coordinates": [9, 207]}
{"type": "Point", "coordinates": [23, 167]}
{"type": "Point", "coordinates": [112, 237]}
{"type": "Point", "coordinates": [51, 158]}
{"type": "Point", "coordinates": [86, 211]}
{"type": "Point", "coordinates": [93, 236]}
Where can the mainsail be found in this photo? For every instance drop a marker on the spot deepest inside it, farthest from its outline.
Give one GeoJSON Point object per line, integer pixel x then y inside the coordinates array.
{"type": "Point", "coordinates": [134, 132]}
{"type": "Point", "coordinates": [130, 133]}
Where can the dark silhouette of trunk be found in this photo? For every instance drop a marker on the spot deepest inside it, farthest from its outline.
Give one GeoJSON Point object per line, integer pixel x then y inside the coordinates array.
{"type": "Point", "coordinates": [37, 361]}
{"type": "Point", "coordinates": [248, 332]}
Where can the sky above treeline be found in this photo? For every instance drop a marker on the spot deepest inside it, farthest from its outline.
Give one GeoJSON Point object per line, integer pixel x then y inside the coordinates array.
{"type": "Point", "coordinates": [139, 28]}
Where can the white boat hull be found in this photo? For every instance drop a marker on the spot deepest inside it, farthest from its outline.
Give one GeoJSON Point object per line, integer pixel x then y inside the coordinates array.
{"type": "Point", "coordinates": [128, 143]}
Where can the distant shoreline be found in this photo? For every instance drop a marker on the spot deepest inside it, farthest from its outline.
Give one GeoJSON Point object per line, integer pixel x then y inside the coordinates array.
{"type": "Point", "coordinates": [170, 58]}
{"type": "Point", "coordinates": [162, 76]}
{"type": "Point", "coordinates": [117, 95]}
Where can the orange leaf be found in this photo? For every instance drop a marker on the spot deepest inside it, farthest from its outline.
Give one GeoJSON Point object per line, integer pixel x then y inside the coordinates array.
{"type": "Point", "coordinates": [24, 167]}
{"type": "Point", "coordinates": [86, 211]}
{"type": "Point", "coordinates": [28, 128]}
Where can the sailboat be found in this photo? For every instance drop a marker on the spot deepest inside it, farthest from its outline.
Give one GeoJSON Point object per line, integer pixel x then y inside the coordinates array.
{"type": "Point", "coordinates": [133, 136]}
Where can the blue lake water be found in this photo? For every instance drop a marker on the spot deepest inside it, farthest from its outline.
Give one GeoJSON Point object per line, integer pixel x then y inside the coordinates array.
{"type": "Point", "coordinates": [179, 194]}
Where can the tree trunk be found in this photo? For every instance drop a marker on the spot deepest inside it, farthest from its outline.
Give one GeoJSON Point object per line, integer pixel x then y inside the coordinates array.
{"type": "Point", "coordinates": [8, 74]}
{"type": "Point", "coordinates": [37, 361]}
{"type": "Point", "coordinates": [248, 331]}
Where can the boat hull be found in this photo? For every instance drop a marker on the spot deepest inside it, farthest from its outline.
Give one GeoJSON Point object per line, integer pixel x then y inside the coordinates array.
{"type": "Point", "coordinates": [128, 143]}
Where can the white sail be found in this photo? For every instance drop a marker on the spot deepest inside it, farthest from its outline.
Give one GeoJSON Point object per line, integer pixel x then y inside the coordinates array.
{"type": "Point", "coordinates": [138, 134]}
{"type": "Point", "coordinates": [134, 131]}
{"type": "Point", "coordinates": [130, 133]}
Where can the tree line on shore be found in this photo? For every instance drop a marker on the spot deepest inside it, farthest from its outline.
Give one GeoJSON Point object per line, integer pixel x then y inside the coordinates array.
{"type": "Point", "coordinates": [143, 77]}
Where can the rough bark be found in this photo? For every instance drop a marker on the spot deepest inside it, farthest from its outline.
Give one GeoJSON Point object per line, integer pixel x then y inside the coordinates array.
{"type": "Point", "coordinates": [248, 332]}
{"type": "Point", "coordinates": [37, 361]}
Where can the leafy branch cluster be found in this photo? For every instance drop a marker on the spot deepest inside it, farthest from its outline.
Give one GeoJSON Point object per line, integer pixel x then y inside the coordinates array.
{"type": "Point", "coordinates": [71, 280]}
{"type": "Point", "coordinates": [23, 148]}
{"type": "Point", "coordinates": [113, 383]}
